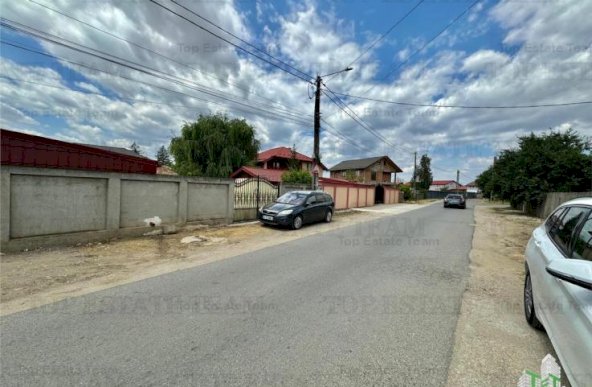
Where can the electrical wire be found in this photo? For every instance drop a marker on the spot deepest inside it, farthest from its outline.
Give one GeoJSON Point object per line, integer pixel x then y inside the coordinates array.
{"type": "Point", "coordinates": [152, 51]}
{"type": "Point", "coordinates": [228, 41]}
{"type": "Point", "coordinates": [240, 39]}
{"type": "Point", "coordinates": [247, 108]}
{"type": "Point", "coordinates": [134, 66]}
{"type": "Point", "coordinates": [465, 106]}
{"type": "Point", "coordinates": [384, 35]}
{"type": "Point", "coordinates": [457, 18]}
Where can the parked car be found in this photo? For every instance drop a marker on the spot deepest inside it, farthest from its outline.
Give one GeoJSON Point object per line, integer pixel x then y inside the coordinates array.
{"type": "Point", "coordinates": [558, 286]}
{"type": "Point", "coordinates": [297, 208]}
{"type": "Point", "coordinates": [455, 200]}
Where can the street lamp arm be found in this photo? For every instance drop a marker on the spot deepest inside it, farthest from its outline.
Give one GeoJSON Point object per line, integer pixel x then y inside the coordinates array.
{"type": "Point", "coordinates": [337, 72]}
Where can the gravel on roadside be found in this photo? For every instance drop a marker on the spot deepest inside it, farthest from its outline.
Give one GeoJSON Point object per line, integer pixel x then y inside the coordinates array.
{"type": "Point", "coordinates": [493, 342]}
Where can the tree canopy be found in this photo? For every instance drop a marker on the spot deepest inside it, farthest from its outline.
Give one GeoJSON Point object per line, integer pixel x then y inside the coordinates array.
{"type": "Point", "coordinates": [136, 148]}
{"type": "Point", "coordinates": [295, 176]}
{"type": "Point", "coordinates": [214, 146]}
{"type": "Point", "coordinates": [163, 157]}
{"type": "Point", "coordinates": [550, 162]}
{"type": "Point", "coordinates": [424, 173]}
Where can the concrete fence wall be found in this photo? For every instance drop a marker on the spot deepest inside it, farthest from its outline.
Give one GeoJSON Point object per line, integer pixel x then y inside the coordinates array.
{"type": "Point", "coordinates": [43, 207]}
{"type": "Point", "coordinates": [554, 199]}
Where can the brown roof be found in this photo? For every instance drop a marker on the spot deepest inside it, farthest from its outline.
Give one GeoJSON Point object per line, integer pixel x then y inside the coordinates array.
{"type": "Point", "coordinates": [363, 164]}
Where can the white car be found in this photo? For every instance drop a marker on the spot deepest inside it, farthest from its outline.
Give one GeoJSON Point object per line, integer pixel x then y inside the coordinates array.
{"type": "Point", "coordinates": [558, 286]}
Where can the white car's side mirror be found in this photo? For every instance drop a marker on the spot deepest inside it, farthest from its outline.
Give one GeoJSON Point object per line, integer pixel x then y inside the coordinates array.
{"type": "Point", "coordinates": [574, 271]}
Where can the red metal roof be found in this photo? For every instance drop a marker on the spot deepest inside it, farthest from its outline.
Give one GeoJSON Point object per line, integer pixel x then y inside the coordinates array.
{"type": "Point", "coordinates": [442, 182]}
{"type": "Point", "coordinates": [336, 181]}
{"type": "Point", "coordinates": [35, 151]}
{"type": "Point", "coordinates": [273, 175]}
{"type": "Point", "coordinates": [281, 152]}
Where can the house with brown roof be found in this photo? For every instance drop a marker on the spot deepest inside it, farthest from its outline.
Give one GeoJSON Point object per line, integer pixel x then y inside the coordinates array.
{"type": "Point", "coordinates": [272, 163]}
{"type": "Point", "coordinates": [374, 170]}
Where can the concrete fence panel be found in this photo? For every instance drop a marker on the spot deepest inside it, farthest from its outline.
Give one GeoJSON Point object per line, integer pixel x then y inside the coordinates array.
{"type": "Point", "coordinates": [341, 198]}
{"type": "Point", "coordinates": [371, 193]}
{"type": "Point", "coordinates": [353, 197]}
{"type": "Point", "coordinates": [146, 199]}
{"type": "Point", "coordinates": [44, 205]}
{"type": "Point", "coordinates": [204, 201]}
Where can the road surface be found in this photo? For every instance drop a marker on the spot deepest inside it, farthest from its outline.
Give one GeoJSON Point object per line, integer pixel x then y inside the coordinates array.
{"type": "Point", "coordinates": [371, 304]}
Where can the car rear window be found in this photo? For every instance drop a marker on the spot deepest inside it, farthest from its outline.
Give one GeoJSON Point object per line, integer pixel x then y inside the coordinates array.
{"type": "Point", "coordinates": [563, 229]}
{"type": "Point", "coordinates": [583, 242]}
{"type": "Point", "coordinates": [552, 220]}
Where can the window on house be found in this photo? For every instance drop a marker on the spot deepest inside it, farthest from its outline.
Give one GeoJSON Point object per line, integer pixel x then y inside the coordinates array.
{"type": "Point", "coordinates": [373, 175]}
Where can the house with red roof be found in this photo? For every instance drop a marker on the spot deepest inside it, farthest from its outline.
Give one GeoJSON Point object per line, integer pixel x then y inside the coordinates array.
{"type": "Point", "coordinates": [446, 185]}
{"type": "Point", "coordinates": [273, 163]}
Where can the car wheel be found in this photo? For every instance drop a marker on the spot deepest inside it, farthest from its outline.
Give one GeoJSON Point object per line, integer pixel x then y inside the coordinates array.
{"type": "Point", "coordinates": [529, 313]}
{"type": "Point", "coordinates": [297, 222]}
{"type": "Point", "coordinates": [328, 216]}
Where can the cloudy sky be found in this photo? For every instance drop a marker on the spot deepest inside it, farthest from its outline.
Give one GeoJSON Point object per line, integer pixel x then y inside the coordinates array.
{"type": "Point", "coordinates": [117, 72]}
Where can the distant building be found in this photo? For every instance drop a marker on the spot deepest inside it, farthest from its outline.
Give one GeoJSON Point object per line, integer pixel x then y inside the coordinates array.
{"type": "Point", "coordinates": [472, 188]}
{"type": "Point", "coordinates": [445, 185]}
{"type": "Point", "coordinates": [374, 170]}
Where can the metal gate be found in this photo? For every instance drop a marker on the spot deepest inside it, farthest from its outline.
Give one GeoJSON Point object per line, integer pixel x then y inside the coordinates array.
{"type": "Point", "coordinates": [254, 192]}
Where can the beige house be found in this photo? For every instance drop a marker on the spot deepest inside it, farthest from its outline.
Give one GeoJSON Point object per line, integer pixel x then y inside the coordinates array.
{"type": "Point", "coordinates": [373, 170]}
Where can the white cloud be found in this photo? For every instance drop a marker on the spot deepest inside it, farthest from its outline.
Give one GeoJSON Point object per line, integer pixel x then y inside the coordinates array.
{"type": "Point", "coordinates": [549, 63]}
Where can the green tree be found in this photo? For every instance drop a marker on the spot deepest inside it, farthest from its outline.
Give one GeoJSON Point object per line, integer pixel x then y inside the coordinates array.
{"type": "Point", "coordinates": [214, 146]}
{"type": "Point", "coordinates": [550, 162]}
{"type": "Point", "coordinates": [406, 191]}
{"type": "Point", "coordinates": [424, 173]}
{"type": "Point", "coordinates": [295, 176]}
{"type": "Point", "coordinates": [136, 148]}
{"type": "Point", "coordinates": [163, 157]}
{"type": "Point", "coordinates": [293, 162]}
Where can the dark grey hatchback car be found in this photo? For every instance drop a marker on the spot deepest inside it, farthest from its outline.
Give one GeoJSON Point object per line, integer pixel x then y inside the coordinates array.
{"type": "Point", "coordinates": [297, 208]}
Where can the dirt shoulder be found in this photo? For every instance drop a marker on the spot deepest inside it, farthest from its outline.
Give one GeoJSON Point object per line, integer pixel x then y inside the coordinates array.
{"type": "Point", "coordinates": [493, 342]}
{"type": "Point", "coordinates": [34, 278]}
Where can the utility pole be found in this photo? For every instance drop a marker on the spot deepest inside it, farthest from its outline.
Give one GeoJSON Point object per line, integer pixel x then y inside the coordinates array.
{"type": "Point", "coordinates": [317, 126]}
{"type": "Point", "coordinates": [414, 174]}
{"type": "Point", "coordinates": [317, 133]}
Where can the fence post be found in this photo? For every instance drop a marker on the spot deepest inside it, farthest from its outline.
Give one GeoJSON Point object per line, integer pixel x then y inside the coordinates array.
{"type": "Point", "coordinates": [257, 193]}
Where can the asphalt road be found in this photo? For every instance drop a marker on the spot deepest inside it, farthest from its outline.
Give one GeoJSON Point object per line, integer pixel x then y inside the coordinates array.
{"type": "Point", "coordinates": [371, 304]}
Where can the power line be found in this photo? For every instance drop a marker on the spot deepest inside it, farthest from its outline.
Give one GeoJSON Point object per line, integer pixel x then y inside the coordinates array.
{"type": "Point", "coordinates": [134, 66]}
{"type": "Point", "coordinates": [465, 106]}
{"type": "Point", "coordinates": [384, 35]}
{"type": "Point", "coordinates": [249, 109]}
{"type": "Point", "coordinates": [426, 44]}
{"type": "Point", "coordinates": [151, 51]}
{"type": "Point", "coordinates": [457, 18]}
{"type": "Point", "coordinates": [354, 117]}
{"type": "Point", "coordinates": [240, 39]}
{"type": "Point", "coordinates": [335, 134]}
{"type": "Point", "coordinates": [229, 42]}
{"type": "Point", "coordinates": [292, 114]}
